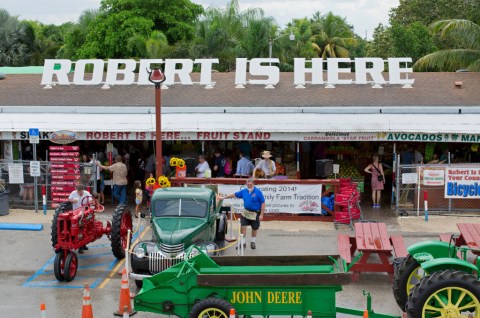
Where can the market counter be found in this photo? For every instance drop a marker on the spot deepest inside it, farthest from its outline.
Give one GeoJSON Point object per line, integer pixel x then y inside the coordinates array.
{"type": "Point", "coordinates": [299, 198]}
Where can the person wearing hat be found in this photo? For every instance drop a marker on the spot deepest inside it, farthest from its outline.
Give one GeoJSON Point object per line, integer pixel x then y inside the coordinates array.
{"type": "Point", "coordinates": [253, 209]}
{"type": "Point", "coordinates": [265, 168]}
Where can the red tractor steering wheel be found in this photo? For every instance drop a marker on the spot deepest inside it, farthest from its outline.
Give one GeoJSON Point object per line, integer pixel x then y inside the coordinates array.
{"type": "Point", "coordinates": [92, 203]}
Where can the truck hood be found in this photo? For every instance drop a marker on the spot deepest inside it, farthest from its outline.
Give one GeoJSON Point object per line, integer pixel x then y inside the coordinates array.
{"type": "Point", "coordinates": [174, 231]}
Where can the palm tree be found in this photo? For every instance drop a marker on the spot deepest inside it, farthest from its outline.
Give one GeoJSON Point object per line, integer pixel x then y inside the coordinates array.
{"type": "Point", "coordinates": [464, 32]}
{"type": "Point", "coordinates": [13, 50]}
{"type": "Point", "coordinates": [331, 35]}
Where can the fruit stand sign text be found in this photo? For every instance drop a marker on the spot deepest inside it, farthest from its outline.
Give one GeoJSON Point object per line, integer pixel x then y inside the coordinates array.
{"type": "Point", "coordinates": [257, 71]}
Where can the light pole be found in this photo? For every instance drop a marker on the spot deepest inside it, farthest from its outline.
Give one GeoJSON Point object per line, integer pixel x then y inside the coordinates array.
{"type": "Point", "coordinates": [157, 77]}
{"type": "Point", "coordinates": [270, 42]}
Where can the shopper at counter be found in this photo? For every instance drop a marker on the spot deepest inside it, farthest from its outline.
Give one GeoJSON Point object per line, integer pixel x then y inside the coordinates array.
{"type": "Point", "coordinates": [202, 168]}
{"type": "Point", "coordinates": [219, 164]}
{"type": "Point", "coordinates": [120, 181]}
{"type": "Point", "coordinates": [244, 166]}
{"type": "Point", "coordinates": [265, 168]}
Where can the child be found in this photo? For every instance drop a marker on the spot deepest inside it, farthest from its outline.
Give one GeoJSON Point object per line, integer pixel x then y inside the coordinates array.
{"type": "Point", "coordinates": [138, 197]}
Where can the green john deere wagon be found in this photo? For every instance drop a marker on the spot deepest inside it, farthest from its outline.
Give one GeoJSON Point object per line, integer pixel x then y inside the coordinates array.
{"type": "Point", "coordinates": [201, 286]}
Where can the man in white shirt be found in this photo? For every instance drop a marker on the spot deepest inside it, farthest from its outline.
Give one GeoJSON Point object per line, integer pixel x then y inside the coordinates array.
{"type": "Point", "coordinates": [77, 196]}
{"type": "Point", "coordinates": [202, 167]}
{"type": "Point", "coordinates": [266, 168]}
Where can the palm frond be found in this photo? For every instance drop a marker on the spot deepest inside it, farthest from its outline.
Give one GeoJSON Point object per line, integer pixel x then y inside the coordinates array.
{"type": "Point", "coordinates": [447, 60]}
{"type": "Point", "coordinates": [466, 32]}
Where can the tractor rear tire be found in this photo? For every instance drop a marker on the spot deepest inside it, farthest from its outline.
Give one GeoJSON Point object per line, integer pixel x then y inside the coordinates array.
{"type": "Point", "coordinates": [71, 266]}
{"type": "Point", "coordinates": [121, 223]}
{"type": "Point", "coordinates": [446, 293]}
{"type": "Point", "coordinates": [59, 266]}
{"type": "Point", "coordinates": [61, 208]}
{"type": "Point", "coordinates": [403, 278]}
{"type": "Point", "coordinates": [211, 307]}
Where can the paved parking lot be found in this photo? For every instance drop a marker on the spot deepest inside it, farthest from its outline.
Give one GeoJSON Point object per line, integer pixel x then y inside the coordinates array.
{"type": "Point", "coordinates": [26, 265]}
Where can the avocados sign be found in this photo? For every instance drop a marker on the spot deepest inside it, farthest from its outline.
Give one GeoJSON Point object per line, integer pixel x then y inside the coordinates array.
{"type": "Point", "coordinates": [257, 71]}
{"type": "Point", "coordinates": [433, 137]}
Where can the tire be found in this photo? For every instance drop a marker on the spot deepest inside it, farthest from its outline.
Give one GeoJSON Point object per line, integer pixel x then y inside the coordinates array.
{"type": "Point", "coordinates": [211, 307]}
{"type": "Point", "coordinates": [58, 266]}
{"type": "Point", "coordinates": [448, 285]}
{"type": "Point", "coordinates": [61, 208]}
{"type": "Point", "coordinates": [71, 265]}
{"type": "Point", "coordinates": [408, 274]}
{"type": "Point", "coordinates": [121, 223]}
{"type": "Point", "coordinates": [139, 283]}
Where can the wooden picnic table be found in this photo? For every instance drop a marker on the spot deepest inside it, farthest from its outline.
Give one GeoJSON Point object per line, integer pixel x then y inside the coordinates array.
{"type": "Point", "coordinates": [371, 239]}
{"type": "Point", "coordinates": [469, 236]}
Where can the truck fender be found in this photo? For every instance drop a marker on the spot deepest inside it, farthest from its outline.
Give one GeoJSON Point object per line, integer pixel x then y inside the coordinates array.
{"type": "Point", "coordinates": [443, 263]}
{"type": "Point", "coordinates": [437, 249]}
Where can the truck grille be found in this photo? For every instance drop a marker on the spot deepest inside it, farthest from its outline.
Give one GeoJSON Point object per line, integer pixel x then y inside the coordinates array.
{"type": "Point", "coordinates": [158, 262]}
{"type": "Point", "coordinates": [171, 250]}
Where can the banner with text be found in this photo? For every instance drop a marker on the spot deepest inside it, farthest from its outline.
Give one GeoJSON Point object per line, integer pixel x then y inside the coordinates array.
{"type": "Point", "coordinates": [281, 198]}
{"type": "Point", "coordinates": [462, 183]}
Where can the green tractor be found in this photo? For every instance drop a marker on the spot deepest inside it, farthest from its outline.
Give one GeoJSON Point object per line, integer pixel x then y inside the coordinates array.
{"type": "Point", "coordinates": [437, 280]}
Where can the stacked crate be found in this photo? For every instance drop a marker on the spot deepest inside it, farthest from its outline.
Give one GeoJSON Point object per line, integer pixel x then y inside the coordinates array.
{"type": "Point", "coordinates": [348, 202]}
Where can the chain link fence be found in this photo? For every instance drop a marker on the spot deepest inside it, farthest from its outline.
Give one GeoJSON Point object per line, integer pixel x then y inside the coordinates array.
{"type": "Point", "coordinates": [414, 181]}
{"type": "Point", "coordinates": [25, 191]}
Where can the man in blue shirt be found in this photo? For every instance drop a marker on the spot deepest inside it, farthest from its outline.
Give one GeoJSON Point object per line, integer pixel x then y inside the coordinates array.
{"type": "Point", "coordinates": [244, 166]}
{"type": "Point", "coordinates": [254, 207]}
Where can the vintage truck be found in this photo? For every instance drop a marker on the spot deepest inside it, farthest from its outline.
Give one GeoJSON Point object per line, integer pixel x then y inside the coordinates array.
{"type": "Point", "coordinates": [180, 218]}
{"type": "Point", "coordinates": [204, 286]}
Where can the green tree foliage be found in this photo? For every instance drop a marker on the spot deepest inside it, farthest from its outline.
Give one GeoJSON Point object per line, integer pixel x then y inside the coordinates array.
{"type": "Point", "coordinates": [14, 46]}
{"type": "Point", "coordinates": [230, 33]}
{"type": "Point", "coordinates": [466, 55]}
{"type": "Point", "coordinates": [428, 11]}
{"type": "Point", "coordinates": [331, 35]}
{"type": "Point", "coordinates": [381, 45]}
{"type": "Point", "coordinates": [176, 19]}
{"type": "Point", "coordinates": [77, 35]}
{"type": "Point", "coordinates": [413, 40]}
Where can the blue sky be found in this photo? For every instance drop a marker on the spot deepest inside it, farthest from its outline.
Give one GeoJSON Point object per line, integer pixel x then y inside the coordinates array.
{"type": "Point", "coordinates": [364, 15]}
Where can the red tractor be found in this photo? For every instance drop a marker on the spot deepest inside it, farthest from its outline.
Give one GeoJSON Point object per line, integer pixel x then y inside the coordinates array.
{"type": "Point", "coordinates": [73, 229]}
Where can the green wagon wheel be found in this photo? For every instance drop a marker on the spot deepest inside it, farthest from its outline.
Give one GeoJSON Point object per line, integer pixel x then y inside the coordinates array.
{"type": "Point", "coordinates": [448, 294]}
{"type": "Point", "coordinates": [211, 308]}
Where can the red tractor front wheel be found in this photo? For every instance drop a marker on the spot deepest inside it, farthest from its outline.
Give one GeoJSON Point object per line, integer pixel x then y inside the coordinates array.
{"type": "Point", "coordinates": [65, 266]}
{"type": "Point", "coordinates": [121, 223]}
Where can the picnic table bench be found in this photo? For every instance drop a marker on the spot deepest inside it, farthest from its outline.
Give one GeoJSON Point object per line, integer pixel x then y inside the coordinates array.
{"type": "Point", "coordinates": [370, 239]}
{"type": "Point", "coordinates": [469, 236]}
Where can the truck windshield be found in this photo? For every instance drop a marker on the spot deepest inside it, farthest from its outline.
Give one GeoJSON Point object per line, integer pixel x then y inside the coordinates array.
{"type": "Point", "coordinates": [180, 207]}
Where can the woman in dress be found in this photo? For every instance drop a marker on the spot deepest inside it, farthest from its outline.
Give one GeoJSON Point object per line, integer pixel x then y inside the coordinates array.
{"type": "Point", "coordinates": [378, 180]}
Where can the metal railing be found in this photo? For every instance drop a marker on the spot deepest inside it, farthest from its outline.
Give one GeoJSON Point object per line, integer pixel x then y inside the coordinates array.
{"type": "Point", "coordinates": [25, 191]}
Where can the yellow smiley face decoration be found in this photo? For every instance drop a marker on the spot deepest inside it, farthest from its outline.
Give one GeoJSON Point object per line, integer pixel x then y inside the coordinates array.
{"type": "Point", "coordinates": [163, 182]}
{"type": "Point", "coordinates": [150, 182]}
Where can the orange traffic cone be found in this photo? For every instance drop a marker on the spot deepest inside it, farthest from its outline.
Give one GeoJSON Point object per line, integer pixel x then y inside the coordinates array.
{"type": "Point", "coordinates": [124, 297]}
{"type": "Point", "coordinates": [232, 313]}
{"type": "Point", "coordinates": [365, 314]}
{"type": "Point", "coordinates": [43, 310]}
{"type": "Point", "coordinates": [87, 311]}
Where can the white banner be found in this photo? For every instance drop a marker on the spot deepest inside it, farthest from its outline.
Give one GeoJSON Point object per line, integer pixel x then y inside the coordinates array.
{"type": "Point", "coordinates": [462, 183]}
{"type": "Point", "coordinates": [281, 198]}
{"type": "Point", "coordinates": [434, 177]}
{"type": "Point", "coordinates": [15, 173]}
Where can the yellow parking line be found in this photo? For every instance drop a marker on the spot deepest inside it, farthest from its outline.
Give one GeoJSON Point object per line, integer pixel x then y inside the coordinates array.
{"type": "Point", "coordinates": [115, 270]}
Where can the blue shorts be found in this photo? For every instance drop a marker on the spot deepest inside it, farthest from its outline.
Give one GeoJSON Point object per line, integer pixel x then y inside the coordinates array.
{"type": "Point", "coordinates": [138, 202]}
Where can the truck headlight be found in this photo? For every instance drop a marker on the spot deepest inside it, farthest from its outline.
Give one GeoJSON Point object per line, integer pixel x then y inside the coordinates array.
{"type": "Point", "coordinates": [140, 252]}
